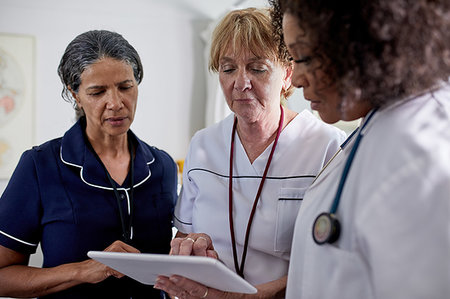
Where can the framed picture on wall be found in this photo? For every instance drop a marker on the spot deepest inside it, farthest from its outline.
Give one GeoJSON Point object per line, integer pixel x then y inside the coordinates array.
{"type": "Point", "coordinates": [16, 99]}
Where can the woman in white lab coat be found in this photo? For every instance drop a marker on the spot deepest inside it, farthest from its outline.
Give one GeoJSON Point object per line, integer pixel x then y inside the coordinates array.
{"type": "Point", "coordinates": [244, 177]}
{"type": "Point", "coordinates": [375, 223]}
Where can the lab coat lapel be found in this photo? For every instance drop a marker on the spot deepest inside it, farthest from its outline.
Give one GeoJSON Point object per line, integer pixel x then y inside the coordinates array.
{"type": "Point", "coordinates": [336, 164]}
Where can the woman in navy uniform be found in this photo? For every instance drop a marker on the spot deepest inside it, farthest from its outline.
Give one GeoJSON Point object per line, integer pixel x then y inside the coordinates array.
{"type": "Point", "coordinates": [99, 186]}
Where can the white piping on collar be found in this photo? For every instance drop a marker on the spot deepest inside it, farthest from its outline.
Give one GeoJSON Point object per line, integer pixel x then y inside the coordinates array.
{"type": "Point", "coordinates": [102, 187]}
{"type": "Point", "coordinates": [18, 240]}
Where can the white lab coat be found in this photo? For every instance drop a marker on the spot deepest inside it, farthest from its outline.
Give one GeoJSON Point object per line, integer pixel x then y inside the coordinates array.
{"type": "Point", "coordinates": [394, 212]}
{"type": "Point", "coordinates": [304, 146]}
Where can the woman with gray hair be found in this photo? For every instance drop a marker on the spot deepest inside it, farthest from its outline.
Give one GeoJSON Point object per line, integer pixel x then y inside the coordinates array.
{"type": "Point", "coordinates": [99, 186]}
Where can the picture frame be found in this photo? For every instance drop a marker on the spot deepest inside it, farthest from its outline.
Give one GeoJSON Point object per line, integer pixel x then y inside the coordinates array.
{"type": "Point", "coordinates": [17, 79]}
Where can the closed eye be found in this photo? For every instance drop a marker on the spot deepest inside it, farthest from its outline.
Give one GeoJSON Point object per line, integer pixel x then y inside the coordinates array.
{"type": "Point", "coordinates": [306, 60]}
{"type": "Point", "coordinates": [97, 93]}
{"type": "Point", "coordinates": [258, 70]}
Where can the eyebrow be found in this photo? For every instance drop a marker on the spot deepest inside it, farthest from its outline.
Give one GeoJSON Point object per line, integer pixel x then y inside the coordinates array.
{"type": "Point", "coordinates": [125, 81]}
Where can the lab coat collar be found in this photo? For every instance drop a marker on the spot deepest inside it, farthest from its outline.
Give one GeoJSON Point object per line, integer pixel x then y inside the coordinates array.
{"type": "Point", "coordinates": [345, 148]}
{"type": "Point", "coordinates": [338, 158]}
{"type": "Point", "coordinates": [75, 153]}
{"type": "Point", "coordinates": [336, 161]}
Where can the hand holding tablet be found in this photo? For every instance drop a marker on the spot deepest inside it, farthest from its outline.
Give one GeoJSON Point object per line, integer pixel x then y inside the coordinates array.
{"type": "Point", "coordinates": [146, 267]}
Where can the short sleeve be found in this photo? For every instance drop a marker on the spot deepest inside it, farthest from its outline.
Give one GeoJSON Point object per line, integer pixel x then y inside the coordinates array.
{"type": "Point", "coordinates": [185, 202]}
{"type": "Point", "coordinates": [20, 208]}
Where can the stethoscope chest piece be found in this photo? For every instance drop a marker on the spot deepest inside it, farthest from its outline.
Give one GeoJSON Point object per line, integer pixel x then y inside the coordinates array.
{"type": "Point", "coordinates": [326, 228]}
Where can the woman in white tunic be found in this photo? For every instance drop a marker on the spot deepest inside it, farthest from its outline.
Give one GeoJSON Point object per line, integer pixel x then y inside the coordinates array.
{"type": "Point", "coordinates": [274, 152]}
{"type": "Point", "coordinates": [388, 191]}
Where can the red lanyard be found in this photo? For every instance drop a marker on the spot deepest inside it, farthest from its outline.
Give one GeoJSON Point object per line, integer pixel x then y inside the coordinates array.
{"type": "Point", "coordinates": [240, 269]}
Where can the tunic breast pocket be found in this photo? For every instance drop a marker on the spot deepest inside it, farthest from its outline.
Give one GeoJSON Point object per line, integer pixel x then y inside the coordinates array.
{"type": "Point", "coordinates": [289, 202]}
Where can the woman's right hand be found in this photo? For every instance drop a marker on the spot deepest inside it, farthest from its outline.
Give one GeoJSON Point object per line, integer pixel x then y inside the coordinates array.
{"type": "Point", "coordinates": [19, 280]}
{"type": "Point", "coordinates": [92, 271]}
{"type": "Point", "coordinates": [193, 244]}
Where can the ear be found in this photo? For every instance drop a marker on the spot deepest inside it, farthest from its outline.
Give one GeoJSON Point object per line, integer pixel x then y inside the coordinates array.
{"type": "Point", "coordinates": [288, 76]}
{"type": "Point", "coordinates": [75, 96]}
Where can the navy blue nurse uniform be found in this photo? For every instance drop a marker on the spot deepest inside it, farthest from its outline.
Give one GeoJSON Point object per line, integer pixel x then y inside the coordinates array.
{"type": "Point", "coordinates": [59, 196]}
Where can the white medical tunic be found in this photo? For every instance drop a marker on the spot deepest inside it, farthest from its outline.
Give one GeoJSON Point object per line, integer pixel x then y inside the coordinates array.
{"type": "Point", "coordinates": [304, 146]}
{"type": "Point", "coordinates": [394, 212]}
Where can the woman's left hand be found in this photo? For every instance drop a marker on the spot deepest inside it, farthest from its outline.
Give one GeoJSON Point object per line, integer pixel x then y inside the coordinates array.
{"type": "Point", "coordinates": [184, 288]}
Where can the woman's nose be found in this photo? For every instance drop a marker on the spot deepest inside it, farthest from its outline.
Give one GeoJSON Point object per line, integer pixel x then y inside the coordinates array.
{"type": "Point", "coordinates": [114, 100]}
{"type": "Point", "coordinates": [299, 78]}
{"type": "Point", "coordinates": [242, 81]}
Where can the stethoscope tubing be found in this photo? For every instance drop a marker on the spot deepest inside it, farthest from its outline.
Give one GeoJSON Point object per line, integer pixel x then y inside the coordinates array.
{"type": "Point", "coordinates": [348, 163]}
{"type": "Point", "coordinates": [326, 228]}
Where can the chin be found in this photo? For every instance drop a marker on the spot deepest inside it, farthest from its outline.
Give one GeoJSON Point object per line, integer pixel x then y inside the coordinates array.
{"type": "Point", "coordinates": [329, 119]}
{"type": "Point", "coordinates": [117, 131]}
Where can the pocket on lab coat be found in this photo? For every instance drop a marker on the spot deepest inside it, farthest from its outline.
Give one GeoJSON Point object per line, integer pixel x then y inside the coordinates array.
{"type": "Point", "coordinates": [289, 202]}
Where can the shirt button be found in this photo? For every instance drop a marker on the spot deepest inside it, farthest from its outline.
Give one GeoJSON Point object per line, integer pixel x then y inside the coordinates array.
{"type": "Point", "coordinates": [122, 196]}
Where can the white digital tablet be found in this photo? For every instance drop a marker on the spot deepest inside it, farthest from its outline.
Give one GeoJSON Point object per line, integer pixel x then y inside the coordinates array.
{"type": "Point", "coordinates": [145, 267]}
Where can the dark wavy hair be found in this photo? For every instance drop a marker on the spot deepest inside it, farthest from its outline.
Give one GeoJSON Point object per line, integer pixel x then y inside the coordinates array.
{"type": "Point", "coordinates": [377, 50]}
{"type": "Point", "coordinates": [88, 48]}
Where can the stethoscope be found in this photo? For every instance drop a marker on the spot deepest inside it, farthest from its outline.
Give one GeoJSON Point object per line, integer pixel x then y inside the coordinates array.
{"type": "Point", "coordinates": [326, 228]}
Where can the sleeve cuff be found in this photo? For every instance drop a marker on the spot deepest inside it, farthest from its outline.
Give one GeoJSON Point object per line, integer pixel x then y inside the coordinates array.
{"type": "Point", "coordinates": [17, 244]}
{"type": "Point", "coordinates": [182, 226]}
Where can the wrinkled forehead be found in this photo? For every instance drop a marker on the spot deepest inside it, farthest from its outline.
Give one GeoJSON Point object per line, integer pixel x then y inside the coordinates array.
{"type": "Point", "coordinates": [243, 53]}
{"type": "Point", "coordinates": [246, 50]}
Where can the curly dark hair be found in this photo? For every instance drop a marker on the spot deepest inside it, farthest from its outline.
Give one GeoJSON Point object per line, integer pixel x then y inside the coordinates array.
{"type": "Point", "coordinates": [377, 50]}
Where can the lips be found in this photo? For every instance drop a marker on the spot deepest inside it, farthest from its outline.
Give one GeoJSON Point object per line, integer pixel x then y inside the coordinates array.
{"type": "Point", "coordinates": [243, 96]}
{"type": "Point", "coordinates": [117, 120]}
{"type": "Point", "coordinates": [314, 104]}
{"type": "Point", "coordinates": [243, 101]}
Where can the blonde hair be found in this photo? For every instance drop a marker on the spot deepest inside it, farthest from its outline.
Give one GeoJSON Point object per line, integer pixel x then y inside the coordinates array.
{"type": "Point", "coordinates": [252, 29]}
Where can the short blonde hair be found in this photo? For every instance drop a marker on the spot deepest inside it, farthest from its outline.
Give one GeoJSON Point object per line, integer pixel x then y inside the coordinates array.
{"type": "Point", "coordinates": [252, 29]}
